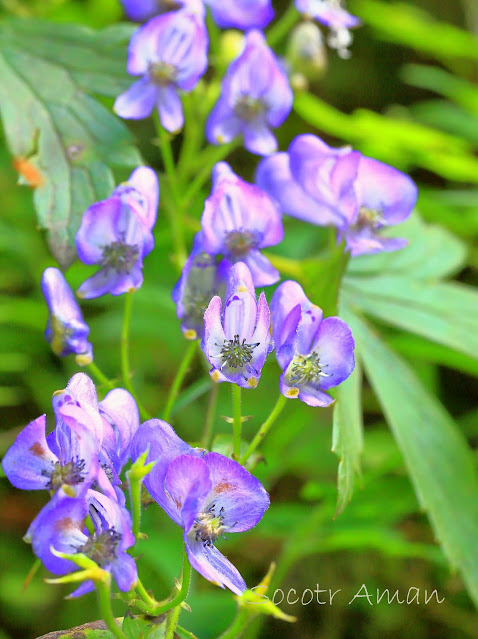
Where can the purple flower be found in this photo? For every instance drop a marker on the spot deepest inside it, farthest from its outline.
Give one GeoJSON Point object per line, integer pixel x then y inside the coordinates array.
{"type": "Point", "coordinates": [237, 342]}
{"type": "Point", "coordinates": [69, 459]}
{"type": "Point", "coordinates": [255, 97]}
{"type": "Point", "coordinates": [385, 197]}
{"type": "Point", "coordinates": [357, 194]}
{"type": "Point", "coordinates": [241, 14]}
{"type": "Point", "coordinates": [170, 53]}
{"type": "Point", "coordinates": [116, 234]}
{"type": "Point", "coordinates": [119, 409]}
{"type": "Point", "coordinates": [201, 278]}
{"type": "Point", "coordinates": [207, 494]}
{"type": "Point", "coordinates": [238, 220]}
{"type": "Point", "coordinates": [60, 525]}
{"type": "Point", "coordinates": [141, 10]}
{"type": "Point", "coordinates": [66, 330]}
{"type": "Point", "coordinates": [313, 182]}
{"type": "Point", "coordinates": [315, 354]}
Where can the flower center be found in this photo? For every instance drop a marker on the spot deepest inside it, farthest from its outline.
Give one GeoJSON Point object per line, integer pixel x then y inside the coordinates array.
{"type": "Point", "coordinates": [235, 353]}
{"type": "Point", "coordinates": [162, 73]}
{"type": "Point", "coordinates": [248, 108]}
{"type": "Point", "coordinates": [209, 525]}
{"type": "Point", "coordinates": [102, 548]}
{"type": "Point", "coordinates": [305, 368]}
{"type": "Point", "coordinates": [122, 257]}
{"type": "Point", "coordinates": [368, 218]}
{"type": "Point", "coordinates": [71, 473]}
{"type": "Point", "coordinates": [239, 243]}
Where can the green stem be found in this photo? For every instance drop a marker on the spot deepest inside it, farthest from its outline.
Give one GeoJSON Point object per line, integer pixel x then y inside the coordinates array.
{"type": "Point", "coordinates": [211, 411]}
{"type": "Point", "coordinates": [104, 599]}
{"type": "Point", "coordinates": [156, 609]}
{"type": "Point", "coordinates": [143, 593]}
{"type": "Point", "coordinates": [100, 376]}
{"type": "Point", "coordinates": [178, 380]}
{"type": "Point", "coordinates": [237, 424]}
{"type": "Point", "coordinates": [237, 627]}
{"type": "Point", "coordinates": [125, 366]}
{"type": "Point", "coordinates": [215, 155]}
{"type": "Point", "coordinates": [264, 429]}
{"type": "Point", "coordinates": [135, 499]}
{"type": "Point", "coordinates": [175, 212]}
{"type": "Point", "coordinates": [172, 622]}
{"type": "Point", "coordinates": [283, 26]}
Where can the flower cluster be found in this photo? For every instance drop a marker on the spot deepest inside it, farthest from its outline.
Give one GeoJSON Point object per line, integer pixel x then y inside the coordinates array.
{"type": "Point", "coordinates": [79, 463]}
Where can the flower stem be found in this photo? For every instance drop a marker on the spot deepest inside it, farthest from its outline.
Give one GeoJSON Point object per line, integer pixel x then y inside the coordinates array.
{"type": "Point", "coordinates": [264, 429]}
{"type": "Point", "coordinates": [283, 26]}
{"type": "Point", "coordinates": [237, 627]}
{"type": "Point", "coordinates": [178, 380]}
{"type": "Point", "coordinates": [172, 623]}
{"type": "Point", "coordinates": [175, 213]}
{"type": "Point", "coordinates": [104, 599]}
{"type": "Point", "coordinates": [143, 593]}
{"type": "Point", "coordinates": [100, 376]}
{"type": "Point", "coordinates": [237, 424]}
{"type": "Point", "coordinates": [211, 411]}
{"type": "Point", "coordinates": [125, 366]}
{"type": "Point", "coordinates": [135, 498]}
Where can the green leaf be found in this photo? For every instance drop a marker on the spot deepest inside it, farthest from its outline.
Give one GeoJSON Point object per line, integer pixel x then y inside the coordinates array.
{"type": "Point", "coordinates": [446, 313]}
{"type": "Point", "coordinates": [347, 436]}
{"type": "Point", "coordinates": [439, 461]}
{"type": "Point", "coordinates": [64, 141]}
{"type": "Point", "coordinates": [411, 26]}
{"type": "Point", "coordinates": [139, 627]}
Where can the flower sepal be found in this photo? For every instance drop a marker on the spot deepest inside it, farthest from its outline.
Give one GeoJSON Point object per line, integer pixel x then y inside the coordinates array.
{"type": "Point", "coordinates": [91, 571]}
{"type": "Point", "coordinates": [139, 469]}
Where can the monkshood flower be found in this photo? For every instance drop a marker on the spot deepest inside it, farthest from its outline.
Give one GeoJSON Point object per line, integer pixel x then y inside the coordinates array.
{"type": "Point", "coordinates": [255, 97]}
{"type": "Point", "coordinates": [66, 330]}
{"type": "Point", "coordinates": [342, 187]}
{"type": "Point", "coordinates": [170, 53]}
{"type": "Point", "coordinates": [120, 410]}
{"type": "Point", "coordinates": [315, 354]}
{"type": "Point", "coordinates": [332, 14]}
{"type": "Point", "coordinates": [68, 461]}
{"type": "Point", "coordinates": [238, 220]}
{"type": "Point", "coordinates": [385, 197]}
{"type": "Point", "coordinates": [237, 340]}
{"type": "Point", "coordinates": [201, 279]}
{"type": "Point", "coordinates": [61, 525]}
{"type": "Point", "coordinates": [112, 234]}
{"type": "Point", "coordinates": [207, 494]}
{"type": "Point", "coordinates": [312, 181]}
{"type": "Point", "coordinates": [241, 14]}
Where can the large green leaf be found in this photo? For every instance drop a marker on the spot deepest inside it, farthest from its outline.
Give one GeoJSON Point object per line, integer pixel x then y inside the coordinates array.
{"type": "Point", "coordinates": [63, 140]}
{"type": "Point", "coordinates": [439, 461]}
{"type": "Point", "coordinates": [347, 437]}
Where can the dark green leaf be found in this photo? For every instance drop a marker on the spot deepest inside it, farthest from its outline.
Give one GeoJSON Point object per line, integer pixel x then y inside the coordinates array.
{"type": "Point", "coordinates": [64, 141]}
{"type": "Point", "coordinates": [439, 461]}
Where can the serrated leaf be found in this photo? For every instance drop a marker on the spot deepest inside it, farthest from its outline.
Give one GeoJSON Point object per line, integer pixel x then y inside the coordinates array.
{"type": "Point", "coordinates": [347, 434]}
{"type": "Point", "coordinates": [439, 461]}
{"type": "Point", "coordinates": [64, 141]}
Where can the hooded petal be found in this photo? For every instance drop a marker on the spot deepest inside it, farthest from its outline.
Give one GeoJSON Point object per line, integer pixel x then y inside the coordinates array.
{"type": "Point", "coordinates": [212, 565]}
{"type": "Point", "coordinates": [242, 496]}
{"type": "Point", "coordinates": [241, 14]}
{"type": "Point", "coordinates": [187, 484]}
{"type": "Point", "coordinates": [120, 409]}
{"type": "Point", "coordinates": [99, 228]}
{"type": "Point", "coordinates": [145, 181]}
{"type": "Point", "coordinates": [214, 336]}
{"type": "Point", "coordinates": [28, 463]}
{"type": "Point", "coordinates": [164, 446]}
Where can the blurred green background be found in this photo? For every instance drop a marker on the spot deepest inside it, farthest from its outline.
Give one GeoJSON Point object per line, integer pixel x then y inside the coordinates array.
{"type": "Point", "coordinates": [408, 96]}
